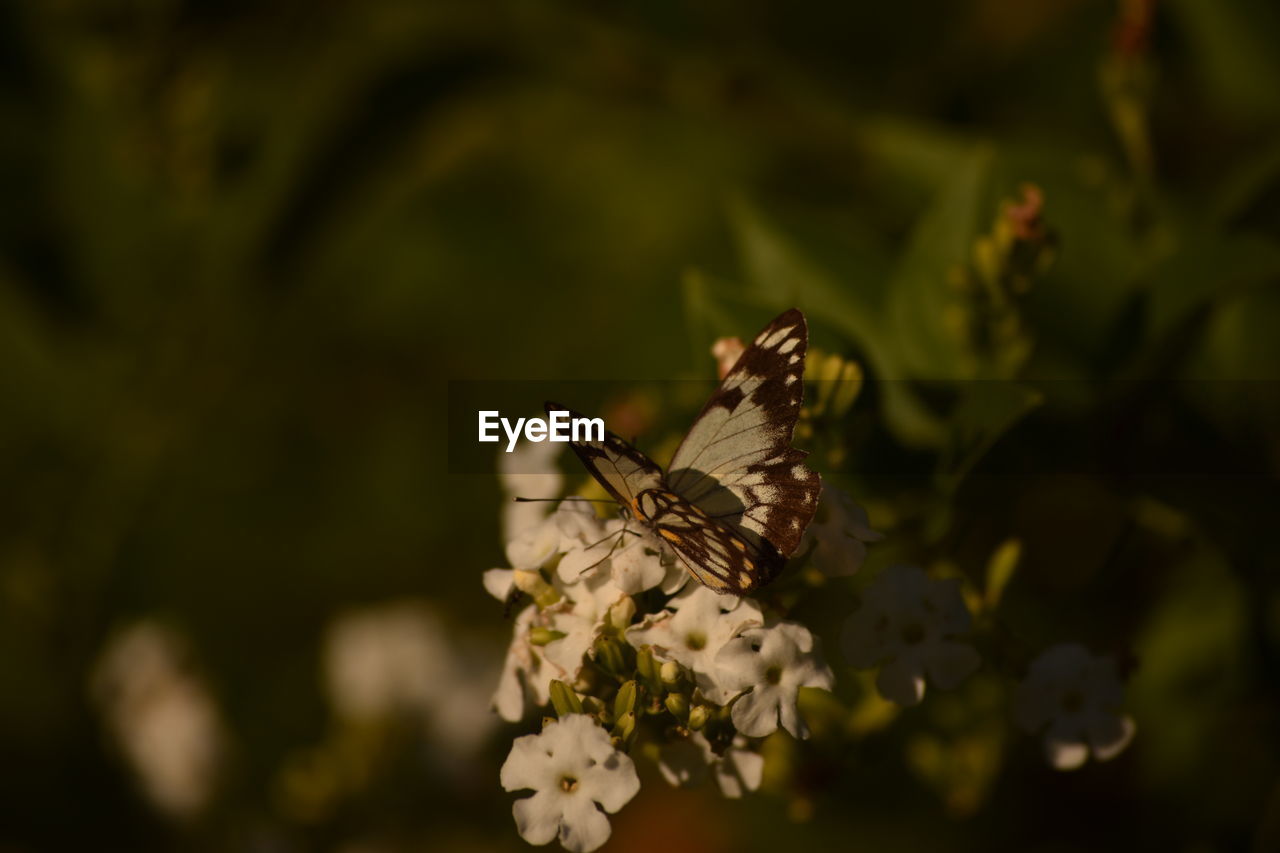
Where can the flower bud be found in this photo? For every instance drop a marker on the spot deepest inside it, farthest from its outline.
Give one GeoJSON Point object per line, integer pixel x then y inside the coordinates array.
{"type": "Point", "coordinates": [669, 672]}
{"type": "Point", "coordinates": [531, 583]}
{"type": "Point", "coordinates": [621, 612]}
{"type": "Point", "coordinates": [542, 636]}
{"type": "Point", "coordinates": [678, 705]}
{"type": "Point", "coordinates": [609, 655]}
{"type": "Point", "coordinates": [698, 716]}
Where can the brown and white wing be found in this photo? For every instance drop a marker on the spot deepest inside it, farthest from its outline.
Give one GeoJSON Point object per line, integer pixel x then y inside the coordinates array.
{"type": "Point", "coordinates": [623, 471]}
{"type": "Point", "coordinates": [737, 464]}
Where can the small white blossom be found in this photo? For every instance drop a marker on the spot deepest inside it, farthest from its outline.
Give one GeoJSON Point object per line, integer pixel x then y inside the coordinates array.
{"type": "Point", "coordinates": [773, 663]}
{"type": "Point", "coordinates": [1076, 698]}
{"type": "Point", "coordinates": [570, 527]}
{"type": "Point", "coordinates": [635, 558]}
{"type": "Point", "coordinates": [576, 776]}
{"type": "Point", "coordinates": [685, 762]}
{"type": "Point", "coordinates": [162, 716]}
{"type": "Point", "coordinates": [526, 676]}
{"type": "Point", "coordinates": [907, 623]}
{"type": "Point", "coordinates": [839, 533]}
{"type": "Point", "coordinates": [694, 631]}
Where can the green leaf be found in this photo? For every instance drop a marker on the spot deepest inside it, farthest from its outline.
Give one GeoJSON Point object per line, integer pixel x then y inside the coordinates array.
{"type": "Point", "coordinates": [775, 265]}
{"type": "Point", "coordinates": [922, 296]}
{"type": "Point", "coordinates": [1000, 570]}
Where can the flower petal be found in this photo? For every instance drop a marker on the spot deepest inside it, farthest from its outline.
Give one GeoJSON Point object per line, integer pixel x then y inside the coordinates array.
{"type": "Point", "coordinates": [756, 713]}
{"type": "Point", "coordinates": [583, 827]}
{"type": "Point", "coordinates": [1110, 734]}
{"type": "Point", "coordinates": [499, 583]}
{"type": "Point", "coordinates": [538, 817]}
{"type": "Point", "coordinates": [613, 780]}
{"type": "Point", "coordinates": [1065, 755]}
{"type": "Point", "coordinates": [1064, 743]}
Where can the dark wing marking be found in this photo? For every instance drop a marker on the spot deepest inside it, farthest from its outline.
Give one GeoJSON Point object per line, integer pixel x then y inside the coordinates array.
{"type": "Point", "coordinates": [737, 463]}
{"type": "Point", "coordinates": [623, 471]}
{"type": "Point", "coordinates": [718, 556]}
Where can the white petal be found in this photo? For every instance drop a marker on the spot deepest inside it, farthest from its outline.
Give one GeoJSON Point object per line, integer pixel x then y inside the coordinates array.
{"type": "Point", "coordinates": [738, 664]}
{"type": "Point", "coordinates": [790, 717]}
{"type": "Point", "coordinates": [526, 765]}
{"type": "Point", "coordinates": [538, 817]}
{"type": "Point", "coordinates": [1109, 735]}
{"type": "Point", "coordinates": [612, 782]}
{"type": "Point", "coordinates": [583, 827]}
{"type": "Point", "coordinates": [950, 663]}
{"type": "Point", "coordinates": [636, 568]}
{"type": "Point", "coordinates": [756, 714]}
{"type": "Point", "coordinates": [1065, 755]}
{"type": "Point", "coordinates": [1064, 743]}
{"type": "Point", "coordinates": [901, 680]}
{"type": "Point", "coordinates": [499, 582]}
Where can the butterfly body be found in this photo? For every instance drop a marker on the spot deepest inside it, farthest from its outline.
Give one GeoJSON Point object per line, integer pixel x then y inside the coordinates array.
{"type": "Point", "coordinates": [737, 497]}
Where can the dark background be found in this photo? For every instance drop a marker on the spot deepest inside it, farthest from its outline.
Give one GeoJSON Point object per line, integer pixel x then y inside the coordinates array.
{"type": "Point", "coordinates": [244, 247]}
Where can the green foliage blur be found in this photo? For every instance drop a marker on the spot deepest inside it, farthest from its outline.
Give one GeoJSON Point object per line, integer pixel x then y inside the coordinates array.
{"type": "Point", "coordinates": [244, 247]}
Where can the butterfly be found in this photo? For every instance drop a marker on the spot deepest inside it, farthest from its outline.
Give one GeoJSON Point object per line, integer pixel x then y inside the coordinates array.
{"type": "Point", "coordinates": [737, 497]}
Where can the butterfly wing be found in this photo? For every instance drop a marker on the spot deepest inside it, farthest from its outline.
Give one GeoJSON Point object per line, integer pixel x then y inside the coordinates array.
{"type": "Point", "coordinates": [623, 471]}
{"type": "Point", "coordinates": [737, 464]}
{"type": "Point", "coordinates": [717, 555]}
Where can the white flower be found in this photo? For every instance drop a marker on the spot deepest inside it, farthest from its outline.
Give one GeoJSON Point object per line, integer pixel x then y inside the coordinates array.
{"type": "Point", "coordinates": [1077, 697]}
{"type": "Point", "coordinates": [529, 669]}
{"type": "Point", "coordinates": [382, 660]}
{"type": "Point", "coordinates": [773, 663]}
{"type": "Point", "coordinates": [692, 635]}
{"type": "Point", "coordinates": [635, 558]}
{"type": "Point", "coordinates": [526, 676]}
{"type": "Point", "coordinates": [906, 623]}
{"type": "Point", "coordinates": [400, 658]}
{"type": "Point", "coordinates": [570, 527]}
{"type": "Point", "coordinates": [839, 533]}
{"type": "Point", "coordinates": [685, 762]}
{"type": "Point", "coordinates": [162, 716]}
{"type": "Point", "coordinates": [575, 773]}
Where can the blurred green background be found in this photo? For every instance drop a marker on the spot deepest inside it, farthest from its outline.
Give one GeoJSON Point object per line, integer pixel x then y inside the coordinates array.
{"type": "Point", "coordinates": [244, 246]}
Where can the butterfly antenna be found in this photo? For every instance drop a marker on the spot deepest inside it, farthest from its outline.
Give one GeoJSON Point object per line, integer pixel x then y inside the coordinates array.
{"type": "Point", "coordinates": [557, 500]}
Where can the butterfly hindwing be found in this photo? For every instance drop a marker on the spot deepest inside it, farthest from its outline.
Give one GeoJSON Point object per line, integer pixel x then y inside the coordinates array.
{"type": "Point", "coordinates": [623, 471]}
{"type": "Point", "coordinates": [720, 558]}
{"type": "Point", "coordinates": [737, 463]}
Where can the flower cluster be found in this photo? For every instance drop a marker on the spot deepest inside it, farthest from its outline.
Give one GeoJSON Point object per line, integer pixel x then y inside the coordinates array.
{"type": "Point", "coordinates": [637, 659]}
{"type": "Point", "coordinates": [616, 636]}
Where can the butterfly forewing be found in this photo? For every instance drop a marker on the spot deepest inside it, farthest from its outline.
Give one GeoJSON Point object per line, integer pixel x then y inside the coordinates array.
{"type": "Point", "coordinates": [623, 471]}
{"type": "Point", "coordinates": [736, 463]}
